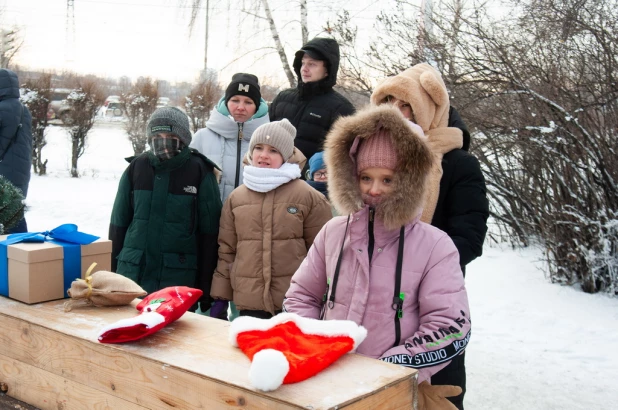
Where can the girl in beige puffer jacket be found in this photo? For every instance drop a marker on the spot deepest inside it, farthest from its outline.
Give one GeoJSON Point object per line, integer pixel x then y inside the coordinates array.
{"type": "Point", "coordinates": [267, 224]}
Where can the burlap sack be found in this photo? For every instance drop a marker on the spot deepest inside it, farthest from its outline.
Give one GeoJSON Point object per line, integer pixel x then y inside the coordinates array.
{"type": "Point", "coordinates": [104, 288]}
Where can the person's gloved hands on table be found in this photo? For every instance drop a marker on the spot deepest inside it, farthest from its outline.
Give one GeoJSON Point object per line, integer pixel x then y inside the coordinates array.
{"type": "Point", "coordinates": [434, 397]}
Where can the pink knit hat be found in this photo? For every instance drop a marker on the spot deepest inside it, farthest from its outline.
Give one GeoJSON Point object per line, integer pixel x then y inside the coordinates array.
{"type": "Point", "coordinates": [376, 152]}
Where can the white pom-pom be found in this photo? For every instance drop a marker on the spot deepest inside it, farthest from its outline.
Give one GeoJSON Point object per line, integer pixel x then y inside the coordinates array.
{"type": "Point", "coordinates": [268, 369]}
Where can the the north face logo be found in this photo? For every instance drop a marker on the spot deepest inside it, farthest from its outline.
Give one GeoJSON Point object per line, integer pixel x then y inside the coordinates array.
{"type": "Point", "coordinates": [190, 189]}
{"type": "Point", "coordinates": [243, 88]}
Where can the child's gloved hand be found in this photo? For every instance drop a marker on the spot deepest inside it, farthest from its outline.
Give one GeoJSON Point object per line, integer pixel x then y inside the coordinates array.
{"type": "Point", "coordinates": [219, 309]}
{"type": "Point", "coordinates": [434, 397]}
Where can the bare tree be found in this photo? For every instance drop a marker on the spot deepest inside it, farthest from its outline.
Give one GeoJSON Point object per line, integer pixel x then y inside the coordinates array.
{"type": "Point", "coordinates": [200, 101]}
{"type": "Point", "coordinates": [278, 45]}
{"type": "Point", "coordinates": [10, 44]}
{"type": "Point", "coordinates": [36, 97]}
{"type": "Point", "coordinates": [538, 87]}
{"type": "Point", "coordinates": [85, 101]}
{"type": "Point", "coordinates": [140, 102]}
{"type": "Point", "coordinates": [255, 9]}
{"type": "Point", "coordinates": [304, 26]}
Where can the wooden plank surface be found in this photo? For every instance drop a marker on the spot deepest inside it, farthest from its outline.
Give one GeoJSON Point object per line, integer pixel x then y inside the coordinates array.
{"type": "Point", "coordinates": [10, 403]}
{"type": "Point", "coordinates": [47, 390]}
{"type": "Point", "coordinates": [189, 364]}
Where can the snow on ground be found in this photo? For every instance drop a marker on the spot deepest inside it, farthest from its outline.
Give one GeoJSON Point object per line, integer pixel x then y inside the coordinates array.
{"type": "Point", "coordinates": [534, 345]}
{"type": "Point", "coordinates": [537, 345]}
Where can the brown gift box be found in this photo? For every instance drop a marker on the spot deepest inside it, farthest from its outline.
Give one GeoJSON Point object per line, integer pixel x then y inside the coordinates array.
{"type": "Point", "coordinates": [36, 271]}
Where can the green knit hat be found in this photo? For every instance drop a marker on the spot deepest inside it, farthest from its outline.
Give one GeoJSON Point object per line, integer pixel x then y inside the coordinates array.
{"type": "Point", "coordinates": [171, 120]}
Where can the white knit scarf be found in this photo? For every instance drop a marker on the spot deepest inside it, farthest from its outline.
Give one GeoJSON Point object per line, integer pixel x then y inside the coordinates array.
{"type": "Point", "coordinates": [267, 179]}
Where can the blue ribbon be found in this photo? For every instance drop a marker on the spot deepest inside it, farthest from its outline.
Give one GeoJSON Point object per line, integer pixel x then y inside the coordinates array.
{"type": "Point", "coordinates": [66, 236]}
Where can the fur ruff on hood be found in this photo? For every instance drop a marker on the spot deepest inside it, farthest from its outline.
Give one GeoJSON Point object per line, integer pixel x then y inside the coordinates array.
{"type": "Point", "coordinates": [413, 164]}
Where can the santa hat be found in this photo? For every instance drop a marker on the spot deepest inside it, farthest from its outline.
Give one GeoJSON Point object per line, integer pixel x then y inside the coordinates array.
{"type": "Point", "coordinates": [158, 310]}
{"type": "Point", "coordinates": [288, 348]}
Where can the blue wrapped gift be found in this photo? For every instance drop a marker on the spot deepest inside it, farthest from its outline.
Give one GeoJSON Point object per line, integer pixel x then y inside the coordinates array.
{"type": "Point", "coordinates": [40, 267]}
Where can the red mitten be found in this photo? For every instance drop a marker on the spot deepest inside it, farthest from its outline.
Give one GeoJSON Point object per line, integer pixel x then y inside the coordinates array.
{"type": "Point", "coordinates": [288, 348]}
{"type": "Point", "coordinates": [158, 310]}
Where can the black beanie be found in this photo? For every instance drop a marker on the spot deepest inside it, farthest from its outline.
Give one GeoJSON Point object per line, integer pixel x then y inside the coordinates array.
{"type": "Point", "coordinates": [246, 85]}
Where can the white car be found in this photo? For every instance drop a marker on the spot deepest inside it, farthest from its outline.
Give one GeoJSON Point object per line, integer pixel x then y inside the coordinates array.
{"type": "Point", "coordinates": [113, 107]}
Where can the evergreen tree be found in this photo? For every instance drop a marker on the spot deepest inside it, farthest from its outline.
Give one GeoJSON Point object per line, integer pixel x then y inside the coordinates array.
{"type": "Point", "coordinates": [11, 205]}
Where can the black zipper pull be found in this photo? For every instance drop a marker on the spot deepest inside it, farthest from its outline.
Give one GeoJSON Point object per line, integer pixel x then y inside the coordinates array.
{"type": "Point", "coordinates": [398, 304]}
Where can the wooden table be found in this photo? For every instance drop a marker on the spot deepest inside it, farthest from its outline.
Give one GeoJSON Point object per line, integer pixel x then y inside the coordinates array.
{"type": "Point", "coordinates": [51, 359]}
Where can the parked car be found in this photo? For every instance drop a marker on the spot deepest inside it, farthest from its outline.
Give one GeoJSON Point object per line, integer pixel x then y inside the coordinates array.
{"type": "Point", "coordinates": [113, 107]}
{"type": "Point", "coordinates": [58, 107]}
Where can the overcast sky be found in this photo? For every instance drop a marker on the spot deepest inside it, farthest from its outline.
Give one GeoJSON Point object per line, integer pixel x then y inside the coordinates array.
{"type": "Point", "coordinates": [150, 37]}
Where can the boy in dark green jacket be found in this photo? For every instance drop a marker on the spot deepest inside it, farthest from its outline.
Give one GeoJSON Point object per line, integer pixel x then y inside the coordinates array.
{"type": "Point", "coordinates": [165, 220]}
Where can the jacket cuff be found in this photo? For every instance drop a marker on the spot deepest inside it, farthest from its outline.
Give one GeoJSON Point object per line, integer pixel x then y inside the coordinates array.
{"type": "Point", "coordinates": [221, 288]}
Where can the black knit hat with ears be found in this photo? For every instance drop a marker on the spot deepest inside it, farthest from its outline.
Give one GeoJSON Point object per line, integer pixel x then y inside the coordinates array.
{"type": "Point", "coordinates": [244, 84]}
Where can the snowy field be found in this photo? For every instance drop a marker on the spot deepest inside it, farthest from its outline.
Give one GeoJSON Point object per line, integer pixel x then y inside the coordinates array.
{"type": "Point", "coordinates": [534, 346]}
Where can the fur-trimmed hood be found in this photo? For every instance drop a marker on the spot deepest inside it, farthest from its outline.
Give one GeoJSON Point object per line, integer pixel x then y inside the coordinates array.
{"type": "Point", "coordinates": [413, 164]}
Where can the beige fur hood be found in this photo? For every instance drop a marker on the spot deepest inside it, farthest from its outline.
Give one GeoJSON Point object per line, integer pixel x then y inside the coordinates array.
{"type": "Point", "coordinates": [423, 88]}
{"type": "Point", "coordinates": [413, 164]}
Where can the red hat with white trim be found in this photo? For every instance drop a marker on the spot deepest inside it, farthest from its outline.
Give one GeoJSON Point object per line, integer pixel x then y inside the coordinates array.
{"type": "Point", "coordinates": [157, 310]}
{"type": "Point", "coordinates": [288, 348]}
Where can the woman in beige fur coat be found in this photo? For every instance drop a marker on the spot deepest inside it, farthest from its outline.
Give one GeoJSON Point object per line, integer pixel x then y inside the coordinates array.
{"type": "Point", "coordinates": [456, 199]}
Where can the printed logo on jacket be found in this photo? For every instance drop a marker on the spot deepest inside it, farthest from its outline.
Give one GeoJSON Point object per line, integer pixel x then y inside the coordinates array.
{"type": "Point", "coordinates": [434, 357]}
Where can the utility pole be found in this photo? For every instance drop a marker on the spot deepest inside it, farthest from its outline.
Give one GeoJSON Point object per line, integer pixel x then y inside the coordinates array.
{"type": "Point", "coordinates": [70, 33]}
{"type": "Point", "coordinates": [425, 27]}
{"type": "Point", "coordinates": [206, 39]}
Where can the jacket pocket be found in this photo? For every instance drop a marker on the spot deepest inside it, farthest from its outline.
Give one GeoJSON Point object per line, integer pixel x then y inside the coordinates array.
{"type": "Point", "coordinates": [129, 263]}
{"type": "Point", "coordinates": [179, 269]}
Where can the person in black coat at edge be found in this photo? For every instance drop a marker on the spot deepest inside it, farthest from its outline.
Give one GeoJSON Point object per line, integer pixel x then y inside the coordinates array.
{"type": "Point", "coordinates": [15, 138]}
{"type": "Point", "coordinates": [457, 203]}
{"type": "Point", "coordinates": [313, 106]}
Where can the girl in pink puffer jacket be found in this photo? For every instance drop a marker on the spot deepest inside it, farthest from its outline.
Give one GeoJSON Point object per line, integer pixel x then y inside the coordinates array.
{"type": "Point", "coordinates": [379, 266]}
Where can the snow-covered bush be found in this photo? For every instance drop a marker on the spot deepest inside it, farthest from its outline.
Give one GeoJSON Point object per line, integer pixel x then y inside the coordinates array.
{"type": "Point", "coordinates": [203, 97]}
{"type": "Point", "coordinates": [84, 102]}
{"type": "Point", "coordinates": [11, 205]}
{"type": "Point", "coordinates": [36, 96]}
{"type": "Point", "coordinates": [140, 102]}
